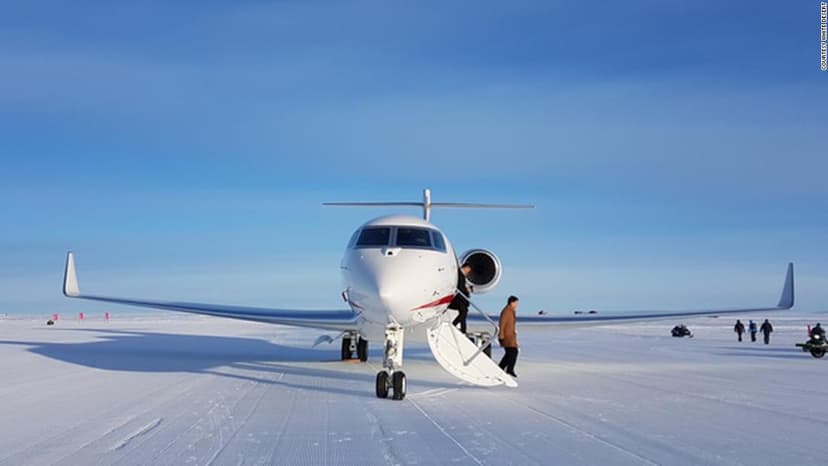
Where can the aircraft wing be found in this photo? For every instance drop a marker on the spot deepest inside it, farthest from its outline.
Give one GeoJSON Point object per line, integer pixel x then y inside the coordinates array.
{"type": "Point", "coordinates": [786, 301]}
{"type": "Point", "coordinates": [331, 320]}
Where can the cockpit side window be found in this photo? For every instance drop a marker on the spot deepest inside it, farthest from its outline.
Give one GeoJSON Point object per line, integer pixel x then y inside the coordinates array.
{"type": "Point", "coordinates": [353, 240]}
{"type": "Point", "coordinates": [438, 241]}
{"type": "Point", "coordinates": [413, 237]}
{"type": "Point", "coordinates": [374, 237]}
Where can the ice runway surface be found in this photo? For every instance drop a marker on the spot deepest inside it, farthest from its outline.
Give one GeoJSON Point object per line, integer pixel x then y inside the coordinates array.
{"type": "Point", "coordinates": [165, 389]}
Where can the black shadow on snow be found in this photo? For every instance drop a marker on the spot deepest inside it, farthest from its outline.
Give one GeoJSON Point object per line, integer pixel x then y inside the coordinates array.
{"type": "Point", "coordinates": [132, 351]}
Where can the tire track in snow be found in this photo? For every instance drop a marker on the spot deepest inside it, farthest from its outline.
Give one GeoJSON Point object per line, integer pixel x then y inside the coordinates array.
{"type": "Point", "coordinates": [43, 443]}
{"type": "Point", "coordinates": [283, 427]}
{"type": "Point", "coordinates": [143, 414]}
{"type": "Point", "coordinates": [238, 428]}
{"type": "Point", "coordinates": [445, 433]}
{"type": "Point", "coordinates": [585, 433]}
{"type": "Point", "coordinates": [138, 433]}
{"type": "Point", "coordinates": [479, 431]}
{"type": "Point", "coordinates": [170, 421]}
{"type": "Point", "coordinates": [194, 424]}
{"type": "Point", "coordinates": [697, 395]}
{"type": "Point", "coordinates": [388, 453]}
{"type": "Point", "coordinates": [434, 393]}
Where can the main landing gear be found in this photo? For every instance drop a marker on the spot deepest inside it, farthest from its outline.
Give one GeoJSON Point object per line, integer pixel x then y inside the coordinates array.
{"type": "Point", "coordinates": [391, 378]}
{"type": "Point", "coordinates": [353, 343]}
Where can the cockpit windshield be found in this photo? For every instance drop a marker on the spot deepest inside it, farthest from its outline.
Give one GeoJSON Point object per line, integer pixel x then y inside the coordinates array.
{"type": "Point", "coordinates": [398, 236]}
{"type": "Point", "coordinates": [414, 237]}
{"type": "Point", "coordinates": [374, 237]}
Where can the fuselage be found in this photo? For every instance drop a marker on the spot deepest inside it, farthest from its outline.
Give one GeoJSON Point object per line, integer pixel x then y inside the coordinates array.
{"type": "Point", "coordinates": [398, 270]}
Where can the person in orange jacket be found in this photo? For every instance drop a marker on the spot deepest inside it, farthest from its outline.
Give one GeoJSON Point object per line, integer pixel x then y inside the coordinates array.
{"type": "Point", "coordinates": [507, 335]}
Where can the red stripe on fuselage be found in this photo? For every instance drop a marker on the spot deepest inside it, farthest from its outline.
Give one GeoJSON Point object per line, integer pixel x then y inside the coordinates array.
{"type": "Point", "coordinates": [444, 300]}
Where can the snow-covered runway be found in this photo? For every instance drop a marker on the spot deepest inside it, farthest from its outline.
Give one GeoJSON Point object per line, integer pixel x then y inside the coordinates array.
{"type": "Point", "coordinates": [166, 389]}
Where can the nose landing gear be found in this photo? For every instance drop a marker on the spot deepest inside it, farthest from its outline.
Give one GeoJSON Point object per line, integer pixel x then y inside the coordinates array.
{"type": "Point", "coordinates": [391, 378]}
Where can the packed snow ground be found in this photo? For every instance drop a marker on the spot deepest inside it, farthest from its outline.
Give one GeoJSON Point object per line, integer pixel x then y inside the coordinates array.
{"type": "Point", "coordinates": [173, 389]}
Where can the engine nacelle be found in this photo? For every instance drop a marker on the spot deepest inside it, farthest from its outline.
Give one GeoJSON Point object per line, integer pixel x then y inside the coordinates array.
{"type": "Point", "coordinates": [486, 269]}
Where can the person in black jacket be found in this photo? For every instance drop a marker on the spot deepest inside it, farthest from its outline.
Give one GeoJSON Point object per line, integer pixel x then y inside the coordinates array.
{"type": "Point", "coordinates": [818, 330]}
{"type": "Point", "coordinates": [739, 328]}
{"type": "Point", "coordinates": [460, 303]}
{"type": "Point", "coordinates": [766, 330]}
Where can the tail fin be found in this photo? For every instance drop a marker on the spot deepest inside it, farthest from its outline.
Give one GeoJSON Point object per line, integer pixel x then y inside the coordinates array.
{"type": "Point", "coordinates": [427, 205]}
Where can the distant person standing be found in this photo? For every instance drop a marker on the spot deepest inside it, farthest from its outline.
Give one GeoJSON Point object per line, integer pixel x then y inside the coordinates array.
{"type": "Point", "coordinates": [818, 330]}
{"type": "Point", "coordinates": [739, 328]}
{"type": "Point", "coordinates": [460, 303]}
{"type": "Point", "coordinates": [753, 329]}
{"type": "Point", "coordinates": [508, 335]}
{"type": "Point", "coordinates": [766, 330]}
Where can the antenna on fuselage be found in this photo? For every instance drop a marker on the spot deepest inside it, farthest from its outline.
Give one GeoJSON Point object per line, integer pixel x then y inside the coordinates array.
{"type": "Point", "coordinates": [427, 205]}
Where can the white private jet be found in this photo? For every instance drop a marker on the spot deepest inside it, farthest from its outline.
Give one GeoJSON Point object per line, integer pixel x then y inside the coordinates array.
{"type": "Point", "coordinates": [401, 273]}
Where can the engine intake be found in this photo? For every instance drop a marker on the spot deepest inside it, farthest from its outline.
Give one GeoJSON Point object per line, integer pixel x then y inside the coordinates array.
{"type": "Point", "coordinates": [486, 269]}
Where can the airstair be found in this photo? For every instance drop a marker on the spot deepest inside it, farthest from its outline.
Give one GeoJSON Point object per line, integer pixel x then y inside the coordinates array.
{"type": "Point", "coordinates": [459, 356]}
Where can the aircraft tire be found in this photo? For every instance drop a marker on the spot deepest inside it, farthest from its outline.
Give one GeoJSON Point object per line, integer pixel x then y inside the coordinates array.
{"type": "Point", "coordinates": [362, 349]}
{"type": "Point", "coordinates": [399, 384]}
{"type": "Point", "coordinates": [817, 352]}
{"type": "Point", "coordinates": [346, 349]}
{"type": "Point", "coordinates": [382, 384]}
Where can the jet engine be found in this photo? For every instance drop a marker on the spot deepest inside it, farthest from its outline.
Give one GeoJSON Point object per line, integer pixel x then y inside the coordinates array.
{"type": "Point", "coordinates": [485, 272]}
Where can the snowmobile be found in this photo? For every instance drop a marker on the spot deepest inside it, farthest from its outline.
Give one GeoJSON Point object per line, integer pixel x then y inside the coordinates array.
{"type": "Point", "coordinates": [816, 345]}
{"type": "Point", "coordinates": [681, 331]}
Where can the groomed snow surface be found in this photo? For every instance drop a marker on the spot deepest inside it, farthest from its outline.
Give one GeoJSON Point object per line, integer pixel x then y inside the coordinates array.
{"type": "Point", "coordinates": [168, 389]}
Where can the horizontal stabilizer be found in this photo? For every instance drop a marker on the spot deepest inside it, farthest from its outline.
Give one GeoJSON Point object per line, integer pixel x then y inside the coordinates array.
{"type": "Point", "coordinates": [477, 205]}
{"type": "Point", "coordinates": [458, 205]}
{"type": "Point", "coordinates": [427, 205]}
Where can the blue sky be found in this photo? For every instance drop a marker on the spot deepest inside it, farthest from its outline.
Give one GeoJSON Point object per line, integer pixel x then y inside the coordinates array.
{"type": "Point", "coordinates": [675, 150]}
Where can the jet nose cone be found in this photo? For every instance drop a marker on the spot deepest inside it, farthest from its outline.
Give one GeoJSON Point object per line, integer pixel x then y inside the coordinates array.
{"type": "Point", "coordinates": [393, 296]}
{"type": "Point", "coordinates": [390, 295]}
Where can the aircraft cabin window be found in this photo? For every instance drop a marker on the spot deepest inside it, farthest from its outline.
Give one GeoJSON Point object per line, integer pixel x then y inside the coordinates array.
{"type": "Point", "coordinates": [374, 237]}
{"type": "Point", "coordinates": [413, 237]}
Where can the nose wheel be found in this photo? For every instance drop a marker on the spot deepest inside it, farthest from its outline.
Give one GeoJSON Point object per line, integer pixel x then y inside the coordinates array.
{"type": "Point", "coordinates": [391, 379]}
{"type": "Point", "coordinates": [382, 384]}
{"type": "Point", "coordinates": [395, 384]}
{"type": "Point", "coordinates": [399, 384]}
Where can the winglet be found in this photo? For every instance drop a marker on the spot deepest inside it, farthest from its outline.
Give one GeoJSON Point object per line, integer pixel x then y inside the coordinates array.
{"type": "Point", "coordinates": [786, 301]}
{"type": "Point", "coordinates": [70, 278]}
